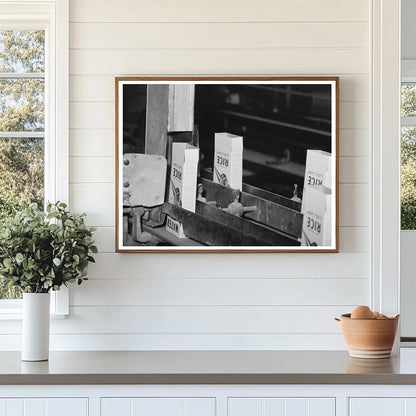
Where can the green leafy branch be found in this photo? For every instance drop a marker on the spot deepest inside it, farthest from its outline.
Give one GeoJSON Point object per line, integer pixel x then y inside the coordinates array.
{"type": "Point", "coordinates": [43, 251]}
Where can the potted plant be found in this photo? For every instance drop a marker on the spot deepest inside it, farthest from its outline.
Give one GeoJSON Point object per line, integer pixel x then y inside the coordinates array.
{"type": "Point", "coordinates": [40, 252]}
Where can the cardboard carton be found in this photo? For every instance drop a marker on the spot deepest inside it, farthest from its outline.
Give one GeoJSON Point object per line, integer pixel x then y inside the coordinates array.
{"type": "Point", "coordinates": [318, 170]}
{"type": "Point", "coordinates": [183, 177]}
{"type": "Point", "coordinates": [228, 160]}
{"type": "Point", "coordinates": [316, 209]}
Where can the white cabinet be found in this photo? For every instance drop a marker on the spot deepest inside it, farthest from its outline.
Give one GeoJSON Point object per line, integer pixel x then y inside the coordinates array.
{"type": "Point", "coordinates": [157, 406]}
{"type": "Point", "coordinates": [392, 406]}
{"type": "Point", "coordinates": [44, 407]}
{"type": "Point", "coordinates": [208, 400]}
{"type": "Point", "coordinates": [281, 406]}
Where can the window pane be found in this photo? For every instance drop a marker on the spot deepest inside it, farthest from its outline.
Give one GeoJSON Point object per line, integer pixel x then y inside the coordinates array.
{"type": "Point", "coordinates": [22, 51]}
{"type": "Point", "coordinates": [408, 178]}
{"type": "Point", "coordinates": [408, 100]}
{"type": "Point", "coordinates": [22, 105]}
{"type": "Point", "coordinates": [21, 173]}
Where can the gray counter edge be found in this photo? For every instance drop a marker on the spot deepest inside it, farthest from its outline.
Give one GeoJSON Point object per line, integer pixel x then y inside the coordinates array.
{"type": "Point", "coordinates": [120, 379]}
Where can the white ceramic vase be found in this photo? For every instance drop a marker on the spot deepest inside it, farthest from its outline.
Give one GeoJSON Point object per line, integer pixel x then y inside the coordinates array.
{"type": "Point", "coordinates": [35, 326]}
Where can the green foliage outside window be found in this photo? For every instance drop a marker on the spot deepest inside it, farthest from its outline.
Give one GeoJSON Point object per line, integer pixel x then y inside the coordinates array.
{"type": "Point", "coordinates": [408, 104]}
{"type": "Point", "coordinates": [408, 179]}
{"type": "Point", "coordinates": [21, 110]}
{"type": "Point", "coordinates": [408, 160]}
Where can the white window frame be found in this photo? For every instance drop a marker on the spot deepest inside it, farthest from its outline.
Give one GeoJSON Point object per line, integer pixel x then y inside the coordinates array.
{"type": "Point", "coordinates": [385, 114]}
{"type": "Point", "coordinates": [53, 17]}
{"type": "Point", "coordinates": [407, 236]}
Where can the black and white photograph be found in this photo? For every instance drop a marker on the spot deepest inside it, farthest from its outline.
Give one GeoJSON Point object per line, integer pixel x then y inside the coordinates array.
{"type": "Point", "coordinates": [227, 164]}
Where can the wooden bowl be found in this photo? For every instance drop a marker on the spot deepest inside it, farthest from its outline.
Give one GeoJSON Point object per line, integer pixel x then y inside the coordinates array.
{"type": "Point", "coordinates": [369, 338]}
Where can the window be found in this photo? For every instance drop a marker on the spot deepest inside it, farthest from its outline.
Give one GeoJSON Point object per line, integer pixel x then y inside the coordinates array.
{"type": "Point", "coordinates": [33, 110]}
{"type": "Point", "coordinates": [22, 124]}
{"type": "Point", "coordinates": [408, 150]}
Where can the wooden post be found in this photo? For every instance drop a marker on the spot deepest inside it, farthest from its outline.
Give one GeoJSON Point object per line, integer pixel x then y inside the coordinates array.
{"type": "Point", "coordinates": [157, 119]}
{"type": "Point", "coordinates": [170, 108]}
{"type": "Point", "coordinates": [181, 107]}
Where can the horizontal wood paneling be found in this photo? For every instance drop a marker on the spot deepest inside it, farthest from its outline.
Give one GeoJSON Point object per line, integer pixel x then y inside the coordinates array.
{"type": "Point", "coordinates": [94, 143]}
{"type": "Point", "coordinates": [218, 35]}
{"type": "Point", "coordinates": [354, 239]}
{"type": "Point", "coordinates": [213, 301]}
{"type": "Point", "coordinates": [288, 62]}
{"type": "Point", "coordinates": [85, 115]}
{"type": "Point", "coordinates": [99, 88]}
{"type": "Point", "coordinates": [200, 319]}
{"type": "Point", "coordinates": [218, 291]}
{"type": "Point", "coordinates": [354, 205]}
{"type": "Point", "coordinates": [194, 319]}
{"type": "Point", "coordinates": [104, 238]}
{"type": "Point", "coordinates": [218, 11]}
{"type": "Point", "coordinates": [354, 170]}
{"type": "Point", "coordinates": [92, 169]}
{"type": "Point", "coordinates": [96, 88]}
{"type": "Point", "coordinates": [96, 199]}
{"type": "Point", "coordinates": [184, 341]}
{"type": "Point", "coordinates": [354, 142]}
{"type": "Point", "coordinates": [354, 115]}
{"type": "Point", "coordinates": [354, 87]}
{"type": "Point", "coordinates": [266, 265]}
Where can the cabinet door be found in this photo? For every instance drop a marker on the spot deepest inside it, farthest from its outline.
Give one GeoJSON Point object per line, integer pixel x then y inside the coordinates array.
{"type": "Point", "coordinates": [281, 406]}
{"type": "Point", "coordinates": [44, 407]}
{"type": "Point", "coordinates": [376, 406]}
{"type": "Point", "coordinates": [154, 406]}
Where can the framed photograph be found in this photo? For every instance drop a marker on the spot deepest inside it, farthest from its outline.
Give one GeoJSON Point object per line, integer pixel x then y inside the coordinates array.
{"type": "Point", "coordinates": [227, 164]}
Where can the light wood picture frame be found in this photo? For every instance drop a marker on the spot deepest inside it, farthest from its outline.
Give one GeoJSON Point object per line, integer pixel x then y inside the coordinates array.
{"type": "Point", "coordinates": [227, 164]}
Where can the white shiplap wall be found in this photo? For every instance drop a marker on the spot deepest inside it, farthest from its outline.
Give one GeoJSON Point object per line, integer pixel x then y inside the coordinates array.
{"type": "Point", "coordinates": [214, 301]}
